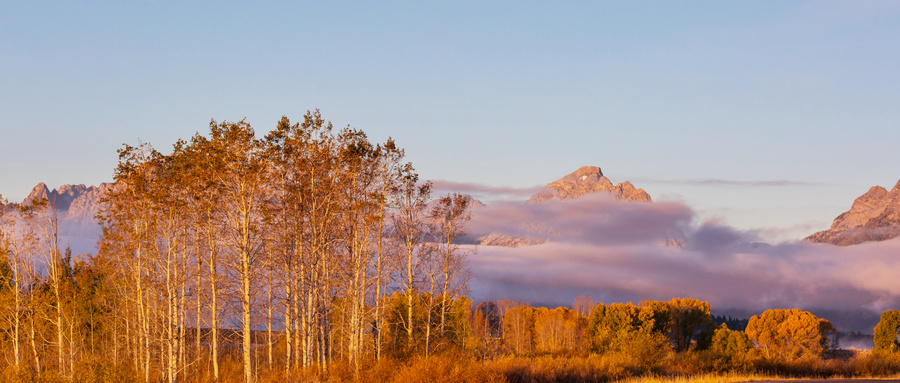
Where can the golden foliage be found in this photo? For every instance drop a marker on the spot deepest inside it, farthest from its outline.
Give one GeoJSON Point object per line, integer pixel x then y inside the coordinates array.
{"type": "Point", "coordinates": [886, 331]}
{"type": "Point", "coordinates": [786, 334]}
{"type": "Point", "coordinates": [557, 330]}
{"type": "Point", "coordinates": [518, 330]}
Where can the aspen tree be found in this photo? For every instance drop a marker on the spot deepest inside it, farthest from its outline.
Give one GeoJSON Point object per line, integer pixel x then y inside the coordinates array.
{"type": "Point", "coordinates": [270, 306]}
{"type": "Point", "coordinates": [127, 221]}
{"type": "Point", "coordinates": [12, 277]}
{"type": "Point", "coordinates": [42, 215]}
{"type": "Point", "coordinates": [321, 188]}
{"type": "Point", "coordinates": [13, 247]}
{"type": "Point", "coordinates": [410, 227]}
{"type": "Point", "coordinates": [316, 199]}
{"type": "Point", "coordinates": [31, 318]}
{"type": "Point", "coordinates": [168, 203]}
{"type": "Point", "coordinates": [203, 200]}
{"type": "Point", "coordinates": [451, 214]}
{"type": "Point", "coordinates": [280, 149]}
{"type": "Point", "coordinates": [389, 173]}
{"type": "Point", "coordinates": [359, 158]}
{"type": "Point", "coordinates": [518, 328]}
{"type": "Point", "coordinates": [240, 180]}
{"type": "Point", "coordinates": [583, 305]}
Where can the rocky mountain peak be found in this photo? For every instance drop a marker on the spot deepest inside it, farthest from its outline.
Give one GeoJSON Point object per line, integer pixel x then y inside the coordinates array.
{"type": "Point", "coordinates": [72, 201]}
{"type": "Point", "coordinates": [585, 172]}
{"type": "Point", "coordinates": [874, 216]}
{"type": "Point", "coordinates": [39, 192]}
{"type": "Point", "coordinates": [585, 180]}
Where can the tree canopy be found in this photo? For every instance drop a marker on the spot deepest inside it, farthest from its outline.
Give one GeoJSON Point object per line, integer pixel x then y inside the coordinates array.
{"type": "Point", "coordinates": [786, 333]}
{"type": "Point", "coordinates": [885, 332]}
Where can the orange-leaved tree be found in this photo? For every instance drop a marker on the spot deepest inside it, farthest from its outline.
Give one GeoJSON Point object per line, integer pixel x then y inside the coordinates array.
{"type": "Point", "coordinates": [886, 331]}
{"type": "Point", "coordinates": [786, 334]}
{"type": "Point", "coordinates": [689, 317]}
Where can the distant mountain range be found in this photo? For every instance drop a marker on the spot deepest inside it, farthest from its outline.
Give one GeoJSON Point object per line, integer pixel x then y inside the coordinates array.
{"type": "Point", "coordinates": [874, 216]}
{"type": "Point", "coordinates": [73, 202]}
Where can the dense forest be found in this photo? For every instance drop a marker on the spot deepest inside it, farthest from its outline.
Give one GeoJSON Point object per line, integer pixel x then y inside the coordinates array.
{"type": "Point", "coordinates": [313, 254]}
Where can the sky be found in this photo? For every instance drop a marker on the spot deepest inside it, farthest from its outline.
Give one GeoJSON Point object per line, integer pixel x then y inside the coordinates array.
{"type": "Point", "coordinates": [766, 116]}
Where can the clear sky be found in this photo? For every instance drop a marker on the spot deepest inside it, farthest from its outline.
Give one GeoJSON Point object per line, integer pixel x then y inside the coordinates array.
{"type": "Point", "coordinates": [702, 102]}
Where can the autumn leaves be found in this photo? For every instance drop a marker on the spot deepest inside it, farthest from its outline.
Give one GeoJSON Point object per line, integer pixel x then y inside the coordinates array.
{"type": "Point", "coordinates": [305, 232]}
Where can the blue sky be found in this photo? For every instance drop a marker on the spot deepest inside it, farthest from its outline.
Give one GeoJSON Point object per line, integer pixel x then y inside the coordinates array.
{"type": "Point", "coordinates": [674, 96]}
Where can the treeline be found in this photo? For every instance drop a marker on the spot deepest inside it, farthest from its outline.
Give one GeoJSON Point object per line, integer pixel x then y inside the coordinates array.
{"type": "Point", "coordinates": [648, 331]}
{"type": "Point", "coordinates": [606, 342]}
{"type": "Point", "coordinates": [324, 245]}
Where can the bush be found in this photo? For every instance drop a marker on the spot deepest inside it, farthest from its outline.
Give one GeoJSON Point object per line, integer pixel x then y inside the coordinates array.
{"type": "Point", "coordinates": [548, 368]}
{"type": "Point", "coordinates": [21, 374]}
{"type": "Point", "coordinates": [99, 370]}
{"type": "Point", "coordinates": [873, 364]}
{"type": "Point", "coordinates": [445, 368]}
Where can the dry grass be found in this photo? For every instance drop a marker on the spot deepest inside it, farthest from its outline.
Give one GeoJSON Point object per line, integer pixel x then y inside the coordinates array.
{"type": "Point", "coordinates": [576, 367]}
{"type": "Point", "coordinates": [703, 378]}
{"type": "Point", "coordinates": [460, 366]}
{"type": "Point", "coordinates": [448, 367]}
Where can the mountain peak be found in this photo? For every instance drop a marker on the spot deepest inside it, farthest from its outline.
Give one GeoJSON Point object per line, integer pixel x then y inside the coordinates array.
{"type": "Point", "coordinates": [588, 172]}
{"type": "Point", "coordinates": [38, 192]}
{"type": "Point", "coordinates": [585, 180]}
{"type": "Point", "coordinates": [874, 216]}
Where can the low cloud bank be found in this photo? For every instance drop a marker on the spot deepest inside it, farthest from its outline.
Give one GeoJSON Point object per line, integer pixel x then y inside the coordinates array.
{"type": "Point", "coordinates": [81, 235]}
{"type": "Point", "coordinates": [484, 191]}
{"type": "Point", "coordinates": [591, 219]}
{"type": "Point", "coordinates": [619, 251]}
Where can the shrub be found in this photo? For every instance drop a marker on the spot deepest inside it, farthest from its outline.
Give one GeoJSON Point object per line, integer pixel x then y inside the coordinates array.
{"type": "Point", "coordinates": [445, 368]}
{"type": "Point", "coordinates": [886, 331]}
{"type": "Point", "coordinates": [22, 374]}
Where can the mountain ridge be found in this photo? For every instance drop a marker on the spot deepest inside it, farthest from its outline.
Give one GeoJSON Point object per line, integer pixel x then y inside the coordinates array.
{"type": "Point", "coordinates": [586, 180]}
{"type": "Point", "coordinates": [874, 216]}
{"type": "Point", "coordinates": [76, 202]}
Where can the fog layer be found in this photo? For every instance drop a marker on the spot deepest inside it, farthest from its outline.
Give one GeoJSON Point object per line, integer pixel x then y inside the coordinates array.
{"type": "Point", "coordinates": [621, 251]}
